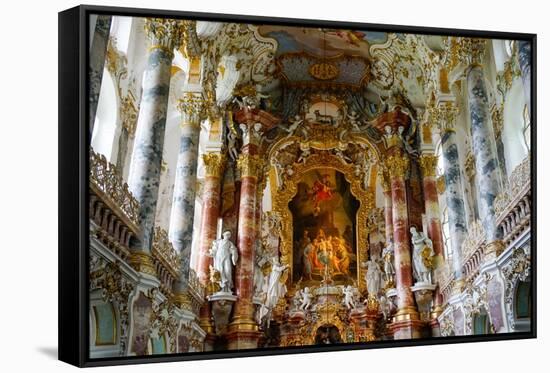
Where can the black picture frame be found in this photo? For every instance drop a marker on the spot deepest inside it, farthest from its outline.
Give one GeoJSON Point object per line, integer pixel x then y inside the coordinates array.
{"type": "Point", "coordinates": [73, 156]}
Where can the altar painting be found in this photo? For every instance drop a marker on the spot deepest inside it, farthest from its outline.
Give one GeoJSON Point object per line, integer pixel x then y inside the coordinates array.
{"type": "Point", "coordinates": [324, 228]}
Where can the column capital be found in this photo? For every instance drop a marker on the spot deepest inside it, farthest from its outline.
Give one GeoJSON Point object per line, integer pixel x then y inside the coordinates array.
{"type": "Point", "coordinates": [250, 165]}
{"type": "Point", "coordinates": [398, 165]}
{"type": "Point", "coordinates": [428, 164]}
{"type": "Point", "coordinates": [466, 51]}
{"type": "Point", "coordinates": [165, 34]}
{"type": "Point", "coordinates": [214, 164]}
{"type": "Point", "coordinates": [444, 113]}
{"type": "Point", "coordinates": [191, 106]}
{"type": "Point", "coordinates": [473, 50]}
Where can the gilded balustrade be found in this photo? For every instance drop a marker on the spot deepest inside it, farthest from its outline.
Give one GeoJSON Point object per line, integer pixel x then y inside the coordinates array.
{"type": "Point", "coordinates": [513, 205]}
{"type": "Point", "coordinates": [113, 208]}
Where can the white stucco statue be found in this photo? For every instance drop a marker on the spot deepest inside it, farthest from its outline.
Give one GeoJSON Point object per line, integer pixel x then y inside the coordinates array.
{"type": "Point", "coordinates": [349, 297]}
{"type": "Point", "coordinates": [276, 288]}
{"type": "Point", "coordinates": [232, 145]}
{"type": "Point", "coordinates": [306, 298]}
{"type": "Point", "coordinates": [423, 253]}
{"type": "Point", "coordinates": [373, 277]}
{"type": "Point", "coordinates": [246, 133]}
{"type": "Point", "coordinates": [225, 256]}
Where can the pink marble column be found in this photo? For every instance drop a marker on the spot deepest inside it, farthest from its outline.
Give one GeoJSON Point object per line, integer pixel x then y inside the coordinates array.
{"type": "Point", "coordinates": [388, 216]}
{"type": "Point", "coordinates": [214, 164]}
{"type": "Point", "coordinates": [428, 164]}
{"type": "Point", "coordinates": [243, 330]}
{"type": "Point", "coordinates": [406, 323]}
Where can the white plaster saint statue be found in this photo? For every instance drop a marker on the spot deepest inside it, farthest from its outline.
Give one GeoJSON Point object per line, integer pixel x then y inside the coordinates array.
{"type": "Point", "coordinates": [349, 297]}
{"type": "Point", "coordinates": [389, 268]}
{"type": "Point", "coordinates": [232, 145]}
{"type": "Point", "coordinates": [225, 256]}
{"type": "Point", "coordinates": [306, 297]}
{"type": "Point", "coordinates": [246, 133]}
{"type": "Point", "coordinates": [373, 277]}
{"type": "Point", "coordinates": [276, 289]}
{"type": "Point", "coordinates": [423, 253]}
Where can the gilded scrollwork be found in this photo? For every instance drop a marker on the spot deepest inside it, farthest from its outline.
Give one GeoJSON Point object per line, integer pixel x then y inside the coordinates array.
{"type": "Point", "coordinates": [517, 269]}
{"type": "Point", "coordinates": [114, 288]}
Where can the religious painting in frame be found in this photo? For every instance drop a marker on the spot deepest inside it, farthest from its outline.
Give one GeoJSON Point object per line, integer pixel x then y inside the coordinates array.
{"type": "Point", "coordinates": [234, 186]}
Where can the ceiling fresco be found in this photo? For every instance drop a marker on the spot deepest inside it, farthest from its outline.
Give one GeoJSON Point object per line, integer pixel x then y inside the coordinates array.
{"type": "Point", "coordinates": [322, 42]}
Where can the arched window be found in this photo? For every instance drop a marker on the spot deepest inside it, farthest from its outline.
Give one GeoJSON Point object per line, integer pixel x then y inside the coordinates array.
{"type": "Point", "coordinates": [448, 252]}
{"type": "Point", "coordinates": [105, 124]}
{"type": "Point", "coordinates": [440, 172]}
{"type": "Point", "coordinates": [526, 128]}
{"type": "Point", "coordinates": [522, 300]}
{"type": "Point", "coordinates": [509, 47]}
{"type": "Point", "coordinates": [481, 323]}
{"type": "Point", "coordinates": [158, 345]}
{"type": "Point", "coordinates": [105, 324]}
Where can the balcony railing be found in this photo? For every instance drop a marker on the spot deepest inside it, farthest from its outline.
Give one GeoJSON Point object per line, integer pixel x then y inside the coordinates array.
{"type": "Point", "coordinates": [472, 248]}
{"type": "Point", "coordinates": [113, 208]}
{"type": "Point", "coordinates": [513, 205]}
{"type": "Point", "coordinates": [166, 260]}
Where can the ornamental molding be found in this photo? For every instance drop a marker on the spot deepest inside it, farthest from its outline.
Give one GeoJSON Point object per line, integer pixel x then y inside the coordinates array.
{"type": "Point", "coordinates": [518, 268]}
{"type": "Point", "coordinates": [114, 288]}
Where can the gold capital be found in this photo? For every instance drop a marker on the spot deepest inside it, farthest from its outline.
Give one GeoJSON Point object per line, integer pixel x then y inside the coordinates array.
{"type": "Point", "coordinates": [428, 164]}
{"type": "Point", "coordinates": [249, 165]}
{"type": "Point", "coordinates": [444, 114]}
{"type": "Point", "coordinates": [398, 165]}
{"type": "Point", "coordinates": [164, 33]}
{"type": "Point", "coordinates": [191, 106]}
{"type": "Point", "coordinates": [214, 163]}
{"type": "Point", "coordinates": [469, 51]}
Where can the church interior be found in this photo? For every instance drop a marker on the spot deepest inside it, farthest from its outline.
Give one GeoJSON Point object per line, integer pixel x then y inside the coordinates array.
{"type": "Point", "coordinates": [264, 186]}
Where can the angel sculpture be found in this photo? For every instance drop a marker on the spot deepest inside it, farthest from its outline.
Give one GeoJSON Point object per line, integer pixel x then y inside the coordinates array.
{"type": "Point", "coordinates": [306, 299]}
{"type": "Point", "coordinates": [291, 130]}
{"type": "Point", "coordinates": [349, 297]}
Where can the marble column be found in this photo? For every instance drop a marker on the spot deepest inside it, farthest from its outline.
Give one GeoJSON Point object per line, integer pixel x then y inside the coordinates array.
{"type": "Point", "coordinates": [524, 56]}
{"type": "Point", "coordinates": [484, 149]}
{"type": "Point", "coordinates": [243, 330]}
{"type": "Point", "coordinates": [388, 217]}
{"type": "Point", "coordinates": [406, 321]}
{"type": "Point", "coordinates": [183, 205]}
{"type": "Point", "coordinates": [97, 56]}
{"type": "Point", "coordinates": [214, 164]}
{"type": "Point", "coordinates": [454, 191]}
{"type": "Point", "coordinates": [428, 164]}
{"type": "Point", "coordinates": [144, 177]}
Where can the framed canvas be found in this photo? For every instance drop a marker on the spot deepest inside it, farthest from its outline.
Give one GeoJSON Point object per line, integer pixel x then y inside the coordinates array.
{"type": "Point", "coordinates": [234, 186]}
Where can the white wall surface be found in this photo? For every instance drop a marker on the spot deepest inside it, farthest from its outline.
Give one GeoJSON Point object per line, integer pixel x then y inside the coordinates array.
{"type": "Point", "coordinates": [28, 191]}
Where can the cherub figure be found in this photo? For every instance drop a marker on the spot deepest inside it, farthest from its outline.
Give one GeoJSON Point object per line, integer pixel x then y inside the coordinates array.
{"type": "Point", "coordinates": [306, 299]}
